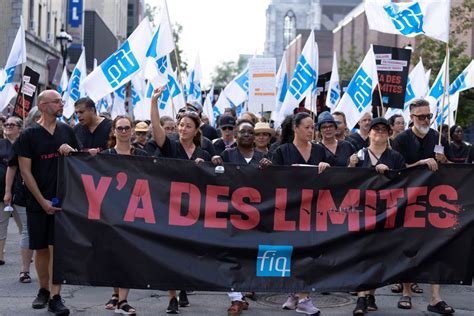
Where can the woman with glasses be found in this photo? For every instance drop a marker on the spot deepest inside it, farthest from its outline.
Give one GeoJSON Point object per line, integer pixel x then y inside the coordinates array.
{"type": "Point", "coordinates": [120, 143]}
{"type": "Point", "coordinates": [379, 156]}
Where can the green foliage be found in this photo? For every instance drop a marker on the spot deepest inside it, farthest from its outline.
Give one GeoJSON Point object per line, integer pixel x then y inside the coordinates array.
{"type": "Point", "coordinates": [150, 13]}
{"type": "Point", "coordinates": [224, 73]}
{"type": "Point", "coordinates": [347, 68]}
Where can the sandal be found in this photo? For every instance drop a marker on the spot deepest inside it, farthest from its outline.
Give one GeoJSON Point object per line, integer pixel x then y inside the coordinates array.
{"type": "Point", "coordinates": [125, 309]}
{"type": "Point", "coordinates": [25, 277]}
{"type": "Point", "coordinates": [112, 303]}
{"type": "Point", "coordinates": [397, 288]}
{"type": "Point", "coordinates": [416, 288]}
{"type": "Point", "coordinates": [404, 302]}
{"type": "Point", "coordinates": [441, 308]}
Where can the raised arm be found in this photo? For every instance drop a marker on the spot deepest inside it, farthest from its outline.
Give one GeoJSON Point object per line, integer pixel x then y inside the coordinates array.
{"type": "Point", "coordinates": [158, 132]}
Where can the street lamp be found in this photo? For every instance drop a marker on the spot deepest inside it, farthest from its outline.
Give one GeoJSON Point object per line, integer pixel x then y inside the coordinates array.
{"type": "Point", "coordinates": [64, 39]}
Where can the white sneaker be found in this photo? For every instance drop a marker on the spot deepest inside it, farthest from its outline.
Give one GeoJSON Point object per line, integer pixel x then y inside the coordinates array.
{"type": "Point", "coordinates": [291, 302]}
{"type": "Point", "coordinates": [306, 306]}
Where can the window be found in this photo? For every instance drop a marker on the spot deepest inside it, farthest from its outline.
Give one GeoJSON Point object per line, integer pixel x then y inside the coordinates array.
{"type": "Point", "coordinates": [31, 18]}
{"type": "Point", "coordinates": [289, 28]}
{"type": "Point", "coordinates": [40, 13]}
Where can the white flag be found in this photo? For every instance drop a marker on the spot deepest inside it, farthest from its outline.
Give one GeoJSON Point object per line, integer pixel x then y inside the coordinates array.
{"type": "Point", "coordinates": [194, 82]}
{"type": "Point", "coordinates": [334, 89]}
{"type": "Point", "coordinates": [221, 104]}
{"type": "Point", "coordinates": [119, 68]}
{"type": "Point", "coordinates": [357, 99]}
{"type": "Point", "coordinates": [118, 106]}
{"type": "Point", "coordinates": [16, 57]}
{"type": "Point", "coordinates": [208, 108]}
{"type": "Point", "coordinates": [429, 17]}
{"type": "Point", "coordinates": [281, 84]}
{"type": "Point", "coordinates": [237, 91]}
{"type": "Point", "coordinates": [304, 79]}
{"type": "Point", "coordinates": [435, 95]}
{"type": "Point", "coordinates": [74, 88]}
{"type": "Point", "coordinates": [464, 81]}
{"type": "Point", "coordinates": [63, 83]}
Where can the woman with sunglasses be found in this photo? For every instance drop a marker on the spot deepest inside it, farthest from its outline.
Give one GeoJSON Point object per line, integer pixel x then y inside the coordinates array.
{"type": "Point", "coordinates": [120, 143]}
{"type": "Point", "coordinates": [379, 156]}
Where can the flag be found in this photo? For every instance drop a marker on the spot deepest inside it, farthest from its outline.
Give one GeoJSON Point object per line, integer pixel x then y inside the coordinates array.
{"type": "Point", "coordinates": [281, 84]}
{"type": "Point", "coordinates": [427, 77]}
{"type": "Point", "coordinates": [464, 81]}
{"type": "Point", "coordinates": [435, 95]}
{"type": "Point", "coordinates": [221, 104]}
{"type": "Point", "coordinates": [428, 17]}
{"type": "Point", "coordinates": [118, 106]}
{"type": "Point", "coordinates": [236, 92]}
{"type": "Point", "coordinates": [208, 107]}
{"type": "Point", "coordinates": [119, 68]}
{"type": "Point", "coordinates": [16, 57]}
{"type": "Point", "coordinates": [104, 104]}
{"type": "Point", "coordinates": [63, 83]}
{"type": "Point", "coordinates": [334, 89]}
{"type": "Point", "coordinates": [194, 82]}
{"type": "Point", "coordinates": [304, 79]}
{"type": "Point", "coordinates": [357, 99]}
{"type": "Point", "coordinates": [75, 90]}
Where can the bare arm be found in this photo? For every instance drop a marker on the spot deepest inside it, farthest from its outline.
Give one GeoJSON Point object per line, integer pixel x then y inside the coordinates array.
{"type": "Point", "coordinates": [158, 132]}
{"type": "Point", "coordinates": [9, 178]}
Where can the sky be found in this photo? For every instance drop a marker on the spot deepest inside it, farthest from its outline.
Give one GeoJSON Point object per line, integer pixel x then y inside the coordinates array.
{"type": "Point", "coordinates": [219, 30]}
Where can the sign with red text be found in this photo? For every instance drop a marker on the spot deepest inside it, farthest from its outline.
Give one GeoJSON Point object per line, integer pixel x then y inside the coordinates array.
{"type": "Point", "coordinates": [26, 94]}
{"type": "Point", "coordinates": [165, 223]}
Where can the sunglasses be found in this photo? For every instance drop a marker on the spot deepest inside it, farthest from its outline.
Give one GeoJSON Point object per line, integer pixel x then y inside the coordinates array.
{"type": "Point", "coordinates": [423, 117]}
{"type": "Point", "coordinates": [122, 129]}
{"type": "Point", "coordinates": [227, 128]}
{"type": "Point", "coordinates": [140, 133]}
{"type": "Point", "coordinates": [380, 129]}
{"type": "Point", "coordinates": [11, 125]}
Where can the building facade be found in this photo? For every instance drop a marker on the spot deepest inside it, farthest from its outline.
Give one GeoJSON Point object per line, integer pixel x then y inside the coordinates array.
{"type": "Point", "coordinates": [135, 14]}
{"type": "Point", "coordinates": [113, 13]}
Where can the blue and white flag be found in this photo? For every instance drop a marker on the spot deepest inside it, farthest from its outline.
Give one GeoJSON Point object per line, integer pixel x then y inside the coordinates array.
{"type": "Point", "coordinates": [357, 100]}
{"type": "Point", "coordinates": [194, 82]}
{"type": "Point", "coordinates": [281, 86]}
{"type": "Point", "coordinates": [236, 92]}
{"type": "Point", "coordinates": [17, 57]}
{"type": "Point", "coordinates": [334, 89]}
{"type": "Point", "coordinates": [464, 81]}
{"type": "Point", "coordinates": [208, 107]}
{"type": "Point", "coordinates": [118, 105]}
{"type": "Point", "coordinates": [104, 104]}
{"type": "Point", "coordinates": [435, 95]}
{"type": "Point", "coordinates": [428, 17]}
{"type": "Point", "coordinates": [119, 68]}
{"type": "Point", "coordinates": [74, 87]}
{"type": "Point", "coordinates": [304, 78]}
{"type": "Point", "coordinates": [63, 83]}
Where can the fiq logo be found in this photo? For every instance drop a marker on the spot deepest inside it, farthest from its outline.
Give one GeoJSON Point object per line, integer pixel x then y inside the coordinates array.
{"type": "Point", "coordinates": [274, 261]}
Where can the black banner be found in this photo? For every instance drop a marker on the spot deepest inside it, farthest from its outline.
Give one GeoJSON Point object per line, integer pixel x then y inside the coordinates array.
{"type": "Point", "coordinates": [27, 92]}
{"type": "Point", "coordinates": [139, 222]}
{"type": "Point", "coordinates": [392, 68]}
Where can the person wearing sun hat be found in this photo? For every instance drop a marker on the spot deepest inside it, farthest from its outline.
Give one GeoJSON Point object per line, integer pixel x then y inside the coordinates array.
{"type": "Point", "coordinates": [141, 133]}
{"type": "Point", "coordinates": [263, 136]}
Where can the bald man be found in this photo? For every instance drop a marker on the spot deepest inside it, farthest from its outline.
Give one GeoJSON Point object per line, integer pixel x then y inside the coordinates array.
{"type": "Point", "coordinates": [38, 152]}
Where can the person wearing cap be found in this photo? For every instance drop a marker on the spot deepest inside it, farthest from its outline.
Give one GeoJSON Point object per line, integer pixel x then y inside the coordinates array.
{"type": "Point", "coordinates": [379, 156]}
{"type": "Point", "coordinates": [361, 139]}
{"type": "Point", "coordinates": [226, 125]}
{"type": "Point", "coordinates": [141, 133]}
{"type": "Point", "coordinates": [263, 136]}
{"type": "Point", "coordinates": [337, 151]}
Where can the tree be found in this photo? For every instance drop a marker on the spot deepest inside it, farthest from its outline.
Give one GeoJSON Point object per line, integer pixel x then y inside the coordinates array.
{"type": "Point", "coordinates": [347, 68]}
{"type": "Point", "coordinates": [224, 73]}
{"type": "Point", "coordinates": [433, 53]}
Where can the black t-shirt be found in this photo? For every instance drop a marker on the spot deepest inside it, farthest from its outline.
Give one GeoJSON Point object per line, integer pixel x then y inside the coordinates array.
{"type": "Point", "coordinates": [287, 155]}
{"type": "Point", "coordinates": [209, 132]}
{"type": "Point", "coordinates": [391, 158]}
{"type": "Point", "coordinates": [413, 148]}
{"type": "Point", "coordinates": [174, 149]}
{"type": "Point", "coordinates": [19, 190]}
{"type": "Point", "coordinates": [37, 144]}
{"type": "Point", "coordinates": [206, 144]}
{"type": "Point", "coordinates": [233, 155]}
{"type": "Point", "coordinates": [151, 147]}
{"type": "Point", "coordinates": [5, 153]}
{"type": "Point", "coordinates": [344, 150]}
{"type": "Point", "coordinates": [357, 141]}
{"type": "Point", "coordinates": [461, 154]}
{"type": "Point", "coordinates": [135, 152]}
{"type": "Point", "coordinates": [97, 139]}
{"type": "Point", "coordinates": [220, 146]}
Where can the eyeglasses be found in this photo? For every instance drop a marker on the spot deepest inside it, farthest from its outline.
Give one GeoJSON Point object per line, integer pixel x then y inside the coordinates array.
{"type": "Point", "coordinates": [123, 129]}
{"type": "Point", "coordinates": [227, 128]}
{"type": "Point", "coordinates": [423, 117]}
{"type": "Point", "coordinates": [57, 101]}
{"type": "Point", "coordinates": [330, 126]}
{"type": "Point", "coordinates": [380, 129]}
{"type": "Point", "coordinates": [140, 133]}
{"type": "Point", "coordinates": [250, 133]}
{"type": "Point", "coordinates": [9, 125]}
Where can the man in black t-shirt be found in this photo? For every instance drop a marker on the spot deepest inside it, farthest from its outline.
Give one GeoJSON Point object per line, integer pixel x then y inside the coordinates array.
{"type": "Point", "coordinates": [361, 139]}
{"type": "Point", "coordinates": [417, 145]}
{"type": "Point", "coordinates": [92, 131]}
{"type": "Point", "coordinates": [39, 147]}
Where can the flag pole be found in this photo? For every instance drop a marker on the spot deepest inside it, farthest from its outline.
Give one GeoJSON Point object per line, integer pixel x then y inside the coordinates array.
{"type": "Point", "coordinates": [449, 120]}
{"type": "Point", "coordinates": [381, 100]}
{"type": "Point", "coordinates": [444, 92]}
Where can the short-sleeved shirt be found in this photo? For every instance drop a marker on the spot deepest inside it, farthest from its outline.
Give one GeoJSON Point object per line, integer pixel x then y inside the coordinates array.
{"type": "Point", "coordinates": [287, 155]}
{"type": "Point", "coordinates": [344, 150]}
{"type": "Point", "coordinates": [5, 153]}
{"type": "Point", "coordinates": [151, 147]}
{"type": "Point", "coordinates": [174, 149]}
{"type": "Point", "coordinates": [414, 148]}
{"type": "Point", "coordinates": [97, 139]}
{"type": "Point", "coordinates": [206, 144]}
{"type": "Point", "coordinates": [357, 141]}
{"type": "Point", "coordinates": [19, 188]}
{"type": "Point", "coordinates": [233, 155]}
{"type": "Point", "coordinates": [462, 153]}
{"type": "Point", "coordinates": [37, 144]}
{"type": "Point", "coordinates": [391, 158]}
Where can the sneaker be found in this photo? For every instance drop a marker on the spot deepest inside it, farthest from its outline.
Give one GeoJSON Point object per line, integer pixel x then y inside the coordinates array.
{"type": "Point", "coordinates": [291, 302]}
{"type": "Point", "coordinates": [371, 306]}
{"type": "Point", "coordinates": [173, 306]}
{"type": "Point", "coordinates": [183, 299]}
{"type": "Point", "coordinates": [235, 308]}
{"type": "Point", "coordinates": [41, 299]}
{"type": "Point", "coordinates": [361, 306]}
{"type": "Point", "coordinates": [56, 306]}
{"type": "Point", "coordinates": [305, 306]}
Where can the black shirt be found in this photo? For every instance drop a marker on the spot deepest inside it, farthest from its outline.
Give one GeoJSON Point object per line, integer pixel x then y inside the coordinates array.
{"type": "Point", "coordinates": [391, 158]}
{"type": "Point", "coordinates": [151, 147]}
{"type": "Point", "coordinates": [5, 153]}
{"type": "Point", "coordinates": [135, 152]}
{"type": "Point", "coordinates": [287, 155]}
{"type": "Point", "coordinates": [413, 148]}
{"type": "Point", "coordinates": [174, 149]}
{"type": "Point", "coordinates": [220, 146]}
{"type": "Point", "coordinates": [357, 141]}
{"type": "Point", "coordinates": [19, 188]}
{"type": "Point", "coordinates": [206, 144]}
{"type": "Point", "coordinates": [209, 132]}
{"type": "Point", "coordinates": [37, 144]}
{"type": "Point", "coordinates": [463, 153]}
{"type": "Point", "coordinates": [344, 150]}
{"type": "Point", "coordinates": [97, 139]}
{"type": "Point", "coordinates": [233, 155]}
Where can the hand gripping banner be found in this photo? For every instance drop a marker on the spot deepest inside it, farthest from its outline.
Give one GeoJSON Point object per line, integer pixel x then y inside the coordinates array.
{"type": "Point", "coordinates": [139, 222]}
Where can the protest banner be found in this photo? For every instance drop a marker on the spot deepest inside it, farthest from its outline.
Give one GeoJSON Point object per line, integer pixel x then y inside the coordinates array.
{"type": "Point", "coordinates": [149, 223]}
{"type": "Point", "coordinates": [27, 92]}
